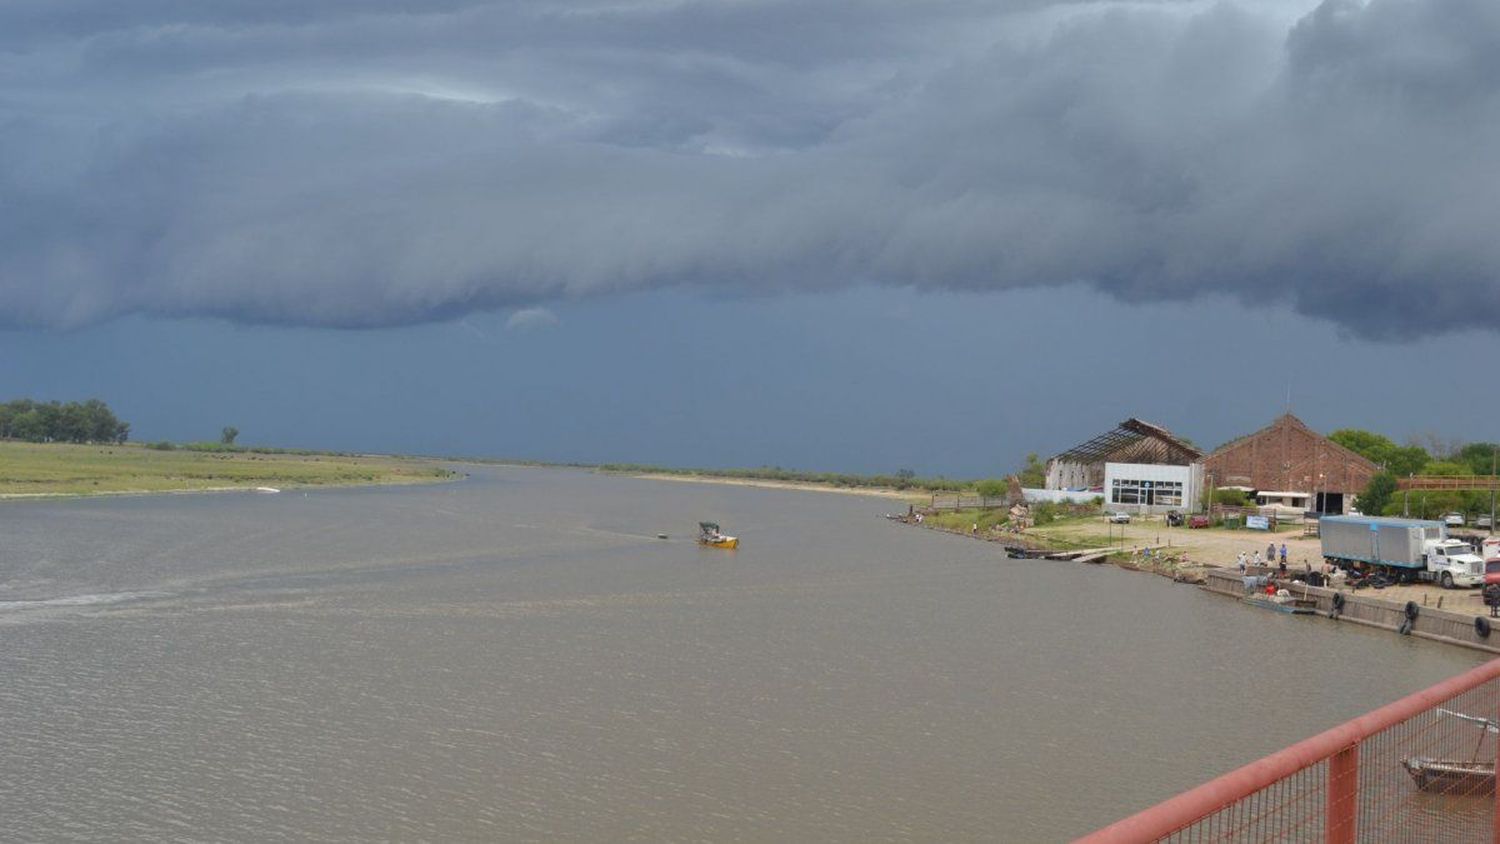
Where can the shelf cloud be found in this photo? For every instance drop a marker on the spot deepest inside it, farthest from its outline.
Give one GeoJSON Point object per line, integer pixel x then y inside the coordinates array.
{"type": "Point", "coordinates": [359, 164]}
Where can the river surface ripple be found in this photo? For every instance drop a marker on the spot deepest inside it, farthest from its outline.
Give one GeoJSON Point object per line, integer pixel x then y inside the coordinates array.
{"type": "Point", "coordinates": [517, 657]}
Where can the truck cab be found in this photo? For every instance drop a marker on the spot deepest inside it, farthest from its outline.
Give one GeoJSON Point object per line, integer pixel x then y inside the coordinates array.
{"type": "Point", "coordinates": [1454, 563]}
{"type": "Point", "coordinates": [1490, 551]}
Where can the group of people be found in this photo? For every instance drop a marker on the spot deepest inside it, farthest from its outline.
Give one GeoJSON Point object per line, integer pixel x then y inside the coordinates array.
{"type": "Point", "coordinates": [1246, 560]}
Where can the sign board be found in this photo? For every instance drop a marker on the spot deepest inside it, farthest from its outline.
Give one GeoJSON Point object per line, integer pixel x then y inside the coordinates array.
{"type": "Point", "coordinates": [1257, 523]}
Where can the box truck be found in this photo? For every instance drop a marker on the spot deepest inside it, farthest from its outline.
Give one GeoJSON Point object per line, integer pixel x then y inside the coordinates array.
{"type": "Point", "coordinates": [1405, 549]}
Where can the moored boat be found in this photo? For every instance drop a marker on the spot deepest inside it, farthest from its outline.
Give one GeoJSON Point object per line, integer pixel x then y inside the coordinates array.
{"type": "Point", "coordinates": [1451, 776]}
{"type": "Point", "coordinates": [709, 534]}
{"type": "Point", "coordinates": [1283, 603]}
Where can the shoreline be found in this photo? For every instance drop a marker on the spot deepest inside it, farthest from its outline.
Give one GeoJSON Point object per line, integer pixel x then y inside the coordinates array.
{"type": "Point", "coordinates": [57, 471]}
{"type": "Point", "coordinates": [796, 486]}
{"type": "Point", "coordinates": [219, 490]}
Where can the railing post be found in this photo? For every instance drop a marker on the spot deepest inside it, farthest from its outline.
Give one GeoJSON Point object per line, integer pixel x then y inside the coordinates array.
{"type": "Point", "coordinates": [1495, 819]}
{"type": "Point", "coordinates": [1343, 795]}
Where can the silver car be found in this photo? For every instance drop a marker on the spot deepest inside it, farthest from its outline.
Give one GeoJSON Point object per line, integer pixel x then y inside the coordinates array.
{"type": "Point", "coordinates": [1119, 517]}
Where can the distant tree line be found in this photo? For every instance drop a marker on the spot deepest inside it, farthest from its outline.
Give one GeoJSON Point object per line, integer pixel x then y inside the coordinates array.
{"type": "Point", "coordinates": [72, 422]}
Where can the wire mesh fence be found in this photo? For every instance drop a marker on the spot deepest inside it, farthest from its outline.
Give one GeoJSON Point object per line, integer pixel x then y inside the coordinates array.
{"type": "Point", "coordinates": [1421, 769]}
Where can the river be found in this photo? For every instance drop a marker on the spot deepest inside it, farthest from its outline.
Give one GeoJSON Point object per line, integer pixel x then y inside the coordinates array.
{"type": "Point", "coordinates": [516, 656]}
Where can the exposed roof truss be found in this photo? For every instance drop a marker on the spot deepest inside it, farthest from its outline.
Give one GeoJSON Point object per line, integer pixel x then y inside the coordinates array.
{"type": "Point", "coordinates": [1133, 441]}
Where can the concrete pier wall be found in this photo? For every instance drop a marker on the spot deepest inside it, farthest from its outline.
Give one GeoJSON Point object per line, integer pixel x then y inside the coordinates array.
{"type": "Point", "coordinates": [1431, 623]}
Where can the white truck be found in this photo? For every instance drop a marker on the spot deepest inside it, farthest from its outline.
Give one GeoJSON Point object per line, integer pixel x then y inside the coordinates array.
{"type": "Point", "coordinates": [1405, 549]}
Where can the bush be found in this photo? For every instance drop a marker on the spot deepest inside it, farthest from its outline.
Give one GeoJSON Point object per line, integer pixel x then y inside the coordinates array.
{"type": "Point", "coordinates": [1044, 513]}
{"type": "Point", "coordinates": [162, 445]}
{"type": "Point", "coordinates": [992, 488]}
{"type": "Point", "coordinates": [1232, 498]}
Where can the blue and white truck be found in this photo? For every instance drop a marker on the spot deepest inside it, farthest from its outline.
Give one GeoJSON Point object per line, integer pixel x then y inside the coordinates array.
{"type": "Point", "coordinates": [1405, 549]}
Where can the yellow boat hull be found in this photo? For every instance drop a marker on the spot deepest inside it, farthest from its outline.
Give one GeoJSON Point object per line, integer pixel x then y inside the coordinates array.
{"type": "Point", "coordinates": [725, 542]}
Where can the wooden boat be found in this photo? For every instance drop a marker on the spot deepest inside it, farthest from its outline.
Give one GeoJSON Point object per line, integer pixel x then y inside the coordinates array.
{"type": "Point", "coordinates": [1295, 606]}
{"type": "Point", "coordinates": [1451, 776]}
{"type": "Point", "coordinates": [708, 534]}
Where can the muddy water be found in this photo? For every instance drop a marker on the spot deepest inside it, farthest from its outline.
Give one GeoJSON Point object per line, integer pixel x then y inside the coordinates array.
{"type": "Point", "coordinates": [516, 656]}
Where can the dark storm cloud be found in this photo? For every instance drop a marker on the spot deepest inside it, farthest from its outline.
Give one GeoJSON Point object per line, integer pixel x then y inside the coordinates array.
{"type": "Point", "coordinates": [374, 163]}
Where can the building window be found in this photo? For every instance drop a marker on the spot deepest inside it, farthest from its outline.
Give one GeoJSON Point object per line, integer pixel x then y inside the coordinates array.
{"type": "Point", "coordinates": [1150, 493]}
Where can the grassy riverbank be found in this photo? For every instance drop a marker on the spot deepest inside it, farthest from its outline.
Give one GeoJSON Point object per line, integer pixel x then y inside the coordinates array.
{"type": "Point", "coordinates": [30, 469]}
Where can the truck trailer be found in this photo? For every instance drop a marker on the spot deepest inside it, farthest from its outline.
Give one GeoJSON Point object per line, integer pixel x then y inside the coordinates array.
{"type": "Point", "coordinates": [1405, 549]}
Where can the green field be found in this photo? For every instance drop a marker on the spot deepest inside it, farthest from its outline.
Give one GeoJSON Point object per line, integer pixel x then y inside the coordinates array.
{"type": "Point", "coordinates": [63, 469]}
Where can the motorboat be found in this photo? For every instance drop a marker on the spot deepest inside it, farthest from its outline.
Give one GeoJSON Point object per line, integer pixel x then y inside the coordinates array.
{"type": "Point", "coordinates": [710, 535]}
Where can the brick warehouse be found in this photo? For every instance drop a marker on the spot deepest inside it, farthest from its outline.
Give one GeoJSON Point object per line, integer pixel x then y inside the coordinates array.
{"type": "Point", "coordinates": [1288, 455]}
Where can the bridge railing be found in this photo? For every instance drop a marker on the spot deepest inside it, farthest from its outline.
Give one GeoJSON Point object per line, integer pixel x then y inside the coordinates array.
{"type": "Point", "coordinates": [1419, 769]}
{"type": "Point", "coordinates": [1449, 482]}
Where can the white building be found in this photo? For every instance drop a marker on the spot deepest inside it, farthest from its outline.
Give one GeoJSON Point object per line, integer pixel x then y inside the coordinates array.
{"type": "Point", "coordinates": [1138, 467]}
{"type": "Point", "coordinates": [1152, 487]}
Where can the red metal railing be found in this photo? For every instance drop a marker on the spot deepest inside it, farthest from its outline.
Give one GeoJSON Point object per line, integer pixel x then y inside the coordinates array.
{"type": "Point", "coordinates": [1419, 769]}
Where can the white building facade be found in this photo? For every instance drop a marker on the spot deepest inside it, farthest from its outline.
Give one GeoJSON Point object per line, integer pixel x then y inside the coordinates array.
{"type": "Point", "coordinates": [1152, 488]}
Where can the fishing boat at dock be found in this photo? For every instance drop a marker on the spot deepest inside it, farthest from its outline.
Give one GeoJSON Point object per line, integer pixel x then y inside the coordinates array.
{"type": "Point", "coordinates": [1282, 601]}
{"type": "Point", "coordinates": [709, 534]}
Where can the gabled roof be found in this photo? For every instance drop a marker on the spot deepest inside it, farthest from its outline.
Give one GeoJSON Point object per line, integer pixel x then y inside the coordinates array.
{"type": "Point", "coordinates": [1138, 439]}
{"type": "Point", "coordinates": [1287, 420]}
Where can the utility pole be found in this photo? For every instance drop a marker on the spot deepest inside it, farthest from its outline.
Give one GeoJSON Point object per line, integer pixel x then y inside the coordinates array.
{"type": "Point", "coordinates": [1492, 491]}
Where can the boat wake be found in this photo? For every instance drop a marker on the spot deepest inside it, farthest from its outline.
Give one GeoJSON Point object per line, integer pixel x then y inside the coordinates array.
{"type": "Point", "coordinates": [12, 609]}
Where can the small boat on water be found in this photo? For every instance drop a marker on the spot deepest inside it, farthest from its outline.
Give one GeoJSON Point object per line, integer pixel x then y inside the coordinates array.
{"type": "Point", "coordinates": [1451, 776]}
{"type": "Point", "coordinates": [1474, 776]}
{"type": "Point", "coordinates": [708, 534]}
{"type": "Point", "coordinates": [1282, 601]}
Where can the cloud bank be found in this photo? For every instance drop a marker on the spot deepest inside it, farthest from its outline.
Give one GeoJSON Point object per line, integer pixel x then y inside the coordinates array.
{"type": "Point", "coordinates": [362, 164]}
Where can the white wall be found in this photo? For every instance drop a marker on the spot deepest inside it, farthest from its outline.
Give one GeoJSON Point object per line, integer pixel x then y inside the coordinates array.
{"type": "Point", "coordinates": [1058, 496]}
{"type": "Point", "coordinates": [1191, 478]}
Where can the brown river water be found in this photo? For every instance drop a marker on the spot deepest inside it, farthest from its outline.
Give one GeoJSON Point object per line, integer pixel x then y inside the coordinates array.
{"type": "Point", "coordinates": [517, 657]}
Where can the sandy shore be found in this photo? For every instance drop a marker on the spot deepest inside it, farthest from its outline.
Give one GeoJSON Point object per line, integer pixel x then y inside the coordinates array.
{"type": "Point", "coordinates": [875, 492]}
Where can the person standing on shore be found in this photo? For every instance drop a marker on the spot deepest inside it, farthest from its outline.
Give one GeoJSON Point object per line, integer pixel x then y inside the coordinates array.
{"type": "Point", "coordinates": [1283, 555]}
{"type": "Point", "coordinates": [1241, 561]}
{"type": "Point", "coordinates": [1271, 553]}
{"type": "Point", "coordinates": [1257, 556]}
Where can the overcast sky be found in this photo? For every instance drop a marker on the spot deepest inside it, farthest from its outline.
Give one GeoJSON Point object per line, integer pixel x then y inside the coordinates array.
{"type": "Point", "coordinates": [862, 235]}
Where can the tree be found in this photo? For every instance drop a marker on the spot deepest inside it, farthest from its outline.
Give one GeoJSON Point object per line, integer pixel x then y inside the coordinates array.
{"type": "Point", "coordinates": [1034, 475]}
{"type": "Point", "coordinates": [1367, 444]}
{"type": "Point", "coordinates": [991, 488]}
{"type": "Point", "coordinates": [1382, 451]}
{"type": "Point", "coordinates": [1377, 494]}
{"type": "Point", "coordinates": [228, 434]}
{"type": "Point", "coordinates": [1479, 457]}
{"type": "Point", "coordinates": [1409, 460]}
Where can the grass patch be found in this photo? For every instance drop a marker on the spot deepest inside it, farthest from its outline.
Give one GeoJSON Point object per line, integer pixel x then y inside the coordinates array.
{"type": "Point", "coordinates": [965, 520]}
{"type": "Point", "coordinates": [64, 469]}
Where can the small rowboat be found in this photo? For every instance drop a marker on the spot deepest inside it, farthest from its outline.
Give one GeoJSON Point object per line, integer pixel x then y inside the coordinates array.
{"type": "Point", "coordinates": [1451, 776]}
{"type": "Point", "coordinates": [708, 534]}
{"type": "Point", "coordinates": [1457, 776]}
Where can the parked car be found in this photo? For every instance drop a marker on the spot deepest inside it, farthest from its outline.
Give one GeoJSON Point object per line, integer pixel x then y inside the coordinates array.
{"type": "Point", "coordinates": [1119, 517]}
{"type": "Point", "coordinates": [1453, 519]}
{"type": "Point", "coordinates": [1484, 522]}
{"type": "Point", "coordinates": [1174, 518]}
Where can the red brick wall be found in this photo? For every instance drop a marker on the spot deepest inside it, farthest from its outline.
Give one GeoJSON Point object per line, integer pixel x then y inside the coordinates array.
{"type": "Point", "coordinates": [1289, 456]}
